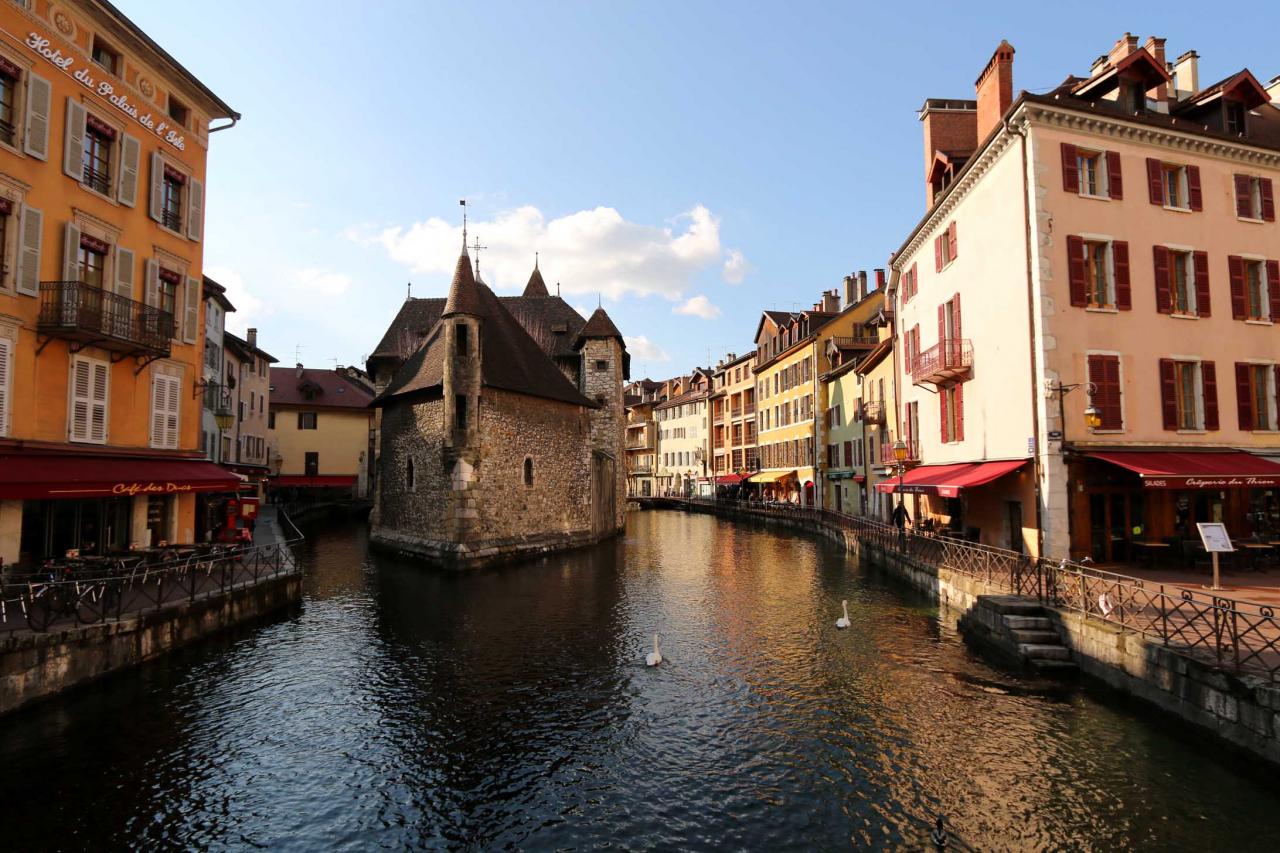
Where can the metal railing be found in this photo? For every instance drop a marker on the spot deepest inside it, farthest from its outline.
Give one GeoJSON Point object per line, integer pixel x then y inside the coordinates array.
{"type": "Point", "coordinates": [872, 412]}
{"type": "Point", "coordinates": [1237, 635]}
{"type": "Point", "coordinates": [913, 451]}
{"type": "Point", "coordinates": [949, 359]}
{"type": "Point", "coordinates": [62, 595]}
{"type": "Point", "coordinates": [79, 310]}
{"type": "Point", "coordinates": [854, 341]}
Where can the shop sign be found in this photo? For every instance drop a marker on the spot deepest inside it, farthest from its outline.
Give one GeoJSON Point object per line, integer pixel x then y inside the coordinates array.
{"type": "Point", "coordinates": [104, 89]}
{"type": "Point", "coordinates": [1245, 482]}
{"type": "Point", "coordinates": [149, 488]}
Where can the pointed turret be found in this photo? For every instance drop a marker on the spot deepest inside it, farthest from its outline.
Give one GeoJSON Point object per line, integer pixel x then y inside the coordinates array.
{"type": "Point", "coordinates": [599, 326]}
{"type": "Point", "coordinates": [463, 296]}
{"type": "Point", "coordinates": [536, 286]}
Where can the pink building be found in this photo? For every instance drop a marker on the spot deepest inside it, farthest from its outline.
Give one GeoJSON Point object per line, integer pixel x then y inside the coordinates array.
{"type": "Point", "coordinates": [1087, 312]}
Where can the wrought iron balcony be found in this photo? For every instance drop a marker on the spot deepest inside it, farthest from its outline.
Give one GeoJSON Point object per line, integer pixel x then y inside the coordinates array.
{"type": "Point", "coordinates": [859, 340]}
{"type": "Point", "coordinates": [948, 361]}
{"type": "Point", "coordinates": [873, 413]}
{"type": "Point", "coordinates": [80, 312]}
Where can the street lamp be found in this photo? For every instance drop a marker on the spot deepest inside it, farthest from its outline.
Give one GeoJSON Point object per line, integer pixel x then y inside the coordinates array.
{"type": "Point", "coordinates": [1092, 414]}
{"type": "Point", "coordinates": [900, 457]}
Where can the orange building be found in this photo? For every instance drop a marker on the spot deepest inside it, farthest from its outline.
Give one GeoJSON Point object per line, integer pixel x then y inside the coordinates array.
{"type": "Point", "coordinates": [103, 144]}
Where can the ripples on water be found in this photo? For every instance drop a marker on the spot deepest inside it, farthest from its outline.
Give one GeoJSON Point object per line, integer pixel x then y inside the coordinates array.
{"type": "Point", "coordinates": [403, 708]}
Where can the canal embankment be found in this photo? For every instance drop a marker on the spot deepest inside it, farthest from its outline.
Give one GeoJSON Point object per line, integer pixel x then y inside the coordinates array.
{"type": "Point", "coordinates": [1209, 661]}
{"type": "Point", "coordinates": [105, 625]}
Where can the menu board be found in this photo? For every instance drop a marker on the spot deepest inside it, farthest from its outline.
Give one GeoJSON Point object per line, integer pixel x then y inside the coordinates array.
{"type": "Point", "coordinates": [1214, 536]}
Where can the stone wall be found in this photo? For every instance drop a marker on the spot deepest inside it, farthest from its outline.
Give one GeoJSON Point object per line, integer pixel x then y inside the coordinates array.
{"type": "Point", "coordinates": [608, 423]}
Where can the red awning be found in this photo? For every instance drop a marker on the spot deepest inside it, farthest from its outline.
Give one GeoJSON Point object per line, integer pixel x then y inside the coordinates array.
{"type": "Point", "coordinates": [56, 477]}
{"type": "Point", "coordinates": [946, 481]}
{"type": "Point", "coordinates": [318, 480]}
{"type": "Point", "coordinates": [729, 480]}
{"type": "Point", "coordinates": [1220, 469]}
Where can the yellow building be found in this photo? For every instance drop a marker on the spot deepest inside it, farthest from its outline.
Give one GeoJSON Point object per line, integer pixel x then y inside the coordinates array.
{"type": "Point", "coordinates": [733, 420]}
{"type": "Point", "coordinates": [103, 143]}
{"type": "Point", "coordinates": [320, 428]}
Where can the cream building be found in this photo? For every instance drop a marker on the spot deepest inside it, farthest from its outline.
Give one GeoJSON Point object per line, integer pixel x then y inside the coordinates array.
{"type": "Point", "coordinates": [319, 426]}
{"type": "Point", "coordinates": [733, 420]}
{"type": "Point", "coordinates": [683, 458]}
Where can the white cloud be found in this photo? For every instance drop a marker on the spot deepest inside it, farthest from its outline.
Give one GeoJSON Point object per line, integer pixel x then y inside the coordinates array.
{"type": "Point", "coordinates": [249, 308]}
{"type": "Point", "coordinates": [588, 252]}
{"type": "Point", "coordinates": [698, 306]}
{"type": "Point", "coordinates": [735, 267]}
{"type": "Point", "coordinates": [643, 349]}
{"type": "Point", "coordinates": [320, 282]}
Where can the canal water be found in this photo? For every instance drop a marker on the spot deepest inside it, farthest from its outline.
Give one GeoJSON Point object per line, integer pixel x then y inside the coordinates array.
{"type": "Point", "coordinates": [401, 708]}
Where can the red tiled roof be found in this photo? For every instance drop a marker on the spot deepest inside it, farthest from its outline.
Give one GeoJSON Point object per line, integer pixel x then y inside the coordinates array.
{"type": "Point", "coordinates": [327, 388]}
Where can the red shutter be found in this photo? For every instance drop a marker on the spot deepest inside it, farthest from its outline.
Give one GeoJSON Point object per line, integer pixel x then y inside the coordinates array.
{"type": "Point", "coordinates": [915, 278]}
{"type": "Point", "coordinates": [1169, 393]}
{"type": "Point", "coordinates": [959, 392]}
{"type": "Point", "coordinates": [955, 314]}
{"type": "Point", "coordinates": [942, 323]}
{"type": "Point", "coordinates": [1075, 271]}
{"type": "Point", "coordinates": [1194, 196]}
{"type": "Point", "coordinates": [1244, 397]}
{"type": "Point", "coordinates": [1155, 181]}
{"type": "Point", "coordinates": [1120, 257]}
{"type": "Point", "coordinates": [1164, 289]}
{"type": "Point", "coordinates": [1115, 186]}
{"type": "Point", "coordinates": [1273, 291]}
{"type": "Point", "coordinates": [942, 415]}
{"type": "Point", "coordinates": [915, 344]}
{"type": "Point", "coordinates": [951, 239]}
{"type": "Point", "coordinates": [1276, 370]}
{"type": "Point", "coordinates": [1104, 373]}
{"type": "Point", "coordinates": [1244, 203]}
{"type": "Point", "coordinates": [937, 253]}
{"type": "Point", "coordinates": [1070, 169]}
{"type": "Point", "coordinates": [1209, 382]}
{"type": "Point", "coordinates": [1268, 201]}
{"type": "Point", "coordinates": [1235, 271]}
{"type": "Point", "coordinates": [1200, 263]}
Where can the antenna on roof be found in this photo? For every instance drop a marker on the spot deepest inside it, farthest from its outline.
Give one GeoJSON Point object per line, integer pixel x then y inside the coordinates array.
{"type": "Point", "coordinates": [297, 353]}
{"type": "Point", "coordinates": [463, 202]}
{"type": "Point", "coordinates": [535, 260]}
{"type": "Point", "coordinates": [557, 288]}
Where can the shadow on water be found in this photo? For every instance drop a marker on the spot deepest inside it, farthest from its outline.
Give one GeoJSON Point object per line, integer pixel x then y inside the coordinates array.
{"type": "Point", "coordinates": [510, 708]}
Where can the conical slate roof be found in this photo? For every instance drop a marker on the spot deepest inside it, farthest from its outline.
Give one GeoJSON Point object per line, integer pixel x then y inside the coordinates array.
{"type": "Point", "coordinates": [536, 286]}
{"type": "Point", "coordinates": [463, 293]}
{"type": "Point", "coordinates": [599, 326]}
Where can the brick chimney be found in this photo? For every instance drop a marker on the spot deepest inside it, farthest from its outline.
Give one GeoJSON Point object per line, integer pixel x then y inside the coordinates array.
{"type": "Point", "coordinates": [297, 372]}
{"type": "Point", "coordinates": [879, 279]}
{"type": "Point", "coordinates": [1155, 47]}
{"type": "Point", "coordinates": [995, 90]}
{"type": "Point", "coordinates": [252, 338]}
{"type": "Point", "coordinates": [830, 301]}
{"type": "Point", "coordinates": [951, 127]}
{"type": "Point", "coordinates": [1186, 75]}
{"type": "Point", "coordinates": [1124, 46]}
{"type": "Point", "coordinates": [862, 285]}
{"type": "Point", "coordinates": [850, 290]}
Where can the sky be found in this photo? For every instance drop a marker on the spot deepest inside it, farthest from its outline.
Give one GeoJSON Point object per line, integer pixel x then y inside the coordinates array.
{"type": "Point", "coordinates": [684, 164]}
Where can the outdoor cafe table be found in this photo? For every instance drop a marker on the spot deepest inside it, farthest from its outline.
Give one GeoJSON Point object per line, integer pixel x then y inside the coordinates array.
{"type": "Point", "coordinates": [1153, 549]}
{"type": "Point", "coordinates": [1255, 552]}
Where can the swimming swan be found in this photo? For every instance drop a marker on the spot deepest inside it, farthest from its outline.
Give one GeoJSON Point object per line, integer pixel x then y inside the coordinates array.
{"type": "Point", "coordinates": [843, 621]}
{"type": "Point", "coordinates": [654, 657]}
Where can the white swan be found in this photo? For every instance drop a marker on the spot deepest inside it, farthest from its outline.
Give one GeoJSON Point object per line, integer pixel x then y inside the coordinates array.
{"type": "Point", "coordinates": [843, 621]}
{"type": "Point", "coordinates": [654, 657]}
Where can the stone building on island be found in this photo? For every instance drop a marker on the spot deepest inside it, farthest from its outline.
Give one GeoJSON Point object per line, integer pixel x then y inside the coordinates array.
{"type": "Point", "coordinates": [500, 426]}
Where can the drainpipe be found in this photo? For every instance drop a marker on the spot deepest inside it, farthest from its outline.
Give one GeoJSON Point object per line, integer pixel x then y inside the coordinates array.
{"type": "Point", "coordinates": [818, 483]}
{"type": "Point", "coordinates": [1031, 326]}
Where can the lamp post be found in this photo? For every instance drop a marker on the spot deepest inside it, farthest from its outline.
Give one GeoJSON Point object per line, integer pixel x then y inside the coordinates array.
{"type": "Point", "coordinates": [900, 458]}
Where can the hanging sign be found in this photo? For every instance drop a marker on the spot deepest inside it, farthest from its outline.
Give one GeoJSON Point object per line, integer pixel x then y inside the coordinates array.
{"type": "Point", "coordinates": [104, 89]}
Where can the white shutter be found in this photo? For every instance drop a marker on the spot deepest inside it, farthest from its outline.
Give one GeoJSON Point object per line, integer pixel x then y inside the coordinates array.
{"type": "Point", "coordinates": [71, 252]}
{"type": "Point", "coordinates": [98, 402]}
{"type": "Point", "coordinates": [190, 310]}
{"type": "Point", "coordinates": [124, 272]}
{"type": "Point", "coordinates": [172, 402]}
{"type": "Point", "coordinates": [81, 393]}
{"type": "Point", "coordinates": [73, 140]}
{"type": "Point", "coordinates": [6, 382]}
{"type": "Point", "coordinates": [31, 236]}
{"type": "Point", "coordinates": [157, 186]}
{"type": "Point", "coordinates": [130, 159]}
{"type": "Point", "coordinates": [195, 209]}
{"type": "Point", "coordinates": [39, 100]}
{"type": "Point", "coordinates": [151, 285]}
{"type": "Point", "coordinates": [165, 404]}
{"type": "Point", "coordinates": [158, 390]}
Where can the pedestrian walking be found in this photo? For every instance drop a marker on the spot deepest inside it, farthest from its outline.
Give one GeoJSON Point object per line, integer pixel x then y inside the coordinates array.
{"type": "Point", "coordinates": [900, 516]}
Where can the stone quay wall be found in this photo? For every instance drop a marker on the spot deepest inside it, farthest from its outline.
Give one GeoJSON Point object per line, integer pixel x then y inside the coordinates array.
{"type": "Point", "coordinates": [1241, 710]}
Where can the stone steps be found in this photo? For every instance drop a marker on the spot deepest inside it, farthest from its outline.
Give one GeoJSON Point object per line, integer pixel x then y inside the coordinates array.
{"type": "Point", "coordinates": [1028, 623]}
{"type": "Point", "coordinates": [1039, 644]}
{"type": "Point", "coordinates": [1036, 636]}
{"type": "Point", "coordinates": [1052, 667]}
{"type": "Point", "coordinates": [1044, 651]}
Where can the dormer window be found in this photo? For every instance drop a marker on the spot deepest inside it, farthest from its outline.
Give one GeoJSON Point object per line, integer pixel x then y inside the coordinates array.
{"type": "Point", "coordinates": [1234, 115]}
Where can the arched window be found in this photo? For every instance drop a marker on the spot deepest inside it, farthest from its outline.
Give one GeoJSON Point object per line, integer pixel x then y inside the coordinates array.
{"type": "Point", "coordinates": [409, 479]}
{"type": "Point", "coordinates": [528, 471]}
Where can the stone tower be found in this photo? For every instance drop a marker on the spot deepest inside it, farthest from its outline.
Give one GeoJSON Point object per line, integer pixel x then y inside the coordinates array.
{"type": "Point", "coordinates": [605, 367]}
{"type": "Point", "coordinates": [462, 328]}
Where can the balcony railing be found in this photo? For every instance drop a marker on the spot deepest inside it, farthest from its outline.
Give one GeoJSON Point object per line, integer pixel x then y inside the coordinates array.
{"type": "Point", "coordinates": [857, 341]}
{"type": "Point", "coordinates": [217, 399]}
{"type": "Point", "coordinates": [886, 452]}
{"type": "Point", "coordinates": [81, 312]}
{"type": "Point", "coordinates": [947, 361]}
{"type": "Point", "coordinates": [873, 413]}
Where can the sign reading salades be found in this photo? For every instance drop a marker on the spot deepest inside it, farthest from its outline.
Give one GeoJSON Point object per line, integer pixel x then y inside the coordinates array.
{"type": "Point", "coordinates": [42, 46]}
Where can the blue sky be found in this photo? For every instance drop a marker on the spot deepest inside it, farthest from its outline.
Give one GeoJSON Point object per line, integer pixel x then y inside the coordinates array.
{"type": "Point", "coordinates": [687, 163]}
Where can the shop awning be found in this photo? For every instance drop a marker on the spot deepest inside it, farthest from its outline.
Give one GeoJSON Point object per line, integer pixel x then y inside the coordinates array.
{"type": "Point", "coordinates": [771, 476]}
{"type": "Point", "coordinates": [729, 480]}
{"type": "Point", "coordinates": [64, 477]}
{"type": "Point", "coordinates": [947, 481]}
{"type": "Point", "coordinates": [318, 480]}
{"type": "Point", "coordinates": [1219, 469]}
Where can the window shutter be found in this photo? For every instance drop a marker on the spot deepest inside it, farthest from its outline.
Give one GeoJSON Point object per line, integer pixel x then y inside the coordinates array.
{"type": "Point", "coordinates": [130, 159]}
{"type": "Point", "coordinates": [915, 278]}
{"type": "Point", "coordinates": [1273, 294]}
{"type": "Point", "coordinates": [6, 382]}
{"type": "Point", "coordinates": [1268, 201]}
{"type": "Point", "coordinates": [158, 393]}
{"type": "Point", "coordinates": [1244, 397]}
{"type": "Point", "coordinates": [195, 209]}
{"type": "Point", "coordinates": [73, 140]}
{"type": "Point", "coordinates": [1169, 393]}
{"type": "Point", "coordinates": [1099, 396]}
{"type": "Point", "coordinates": [172, 404]}
{"type": "Point", "coordinates": [1115, 181]}
{"type": "Point", "coordinates": [942, 323]}
{"type": "Point", "coordinates": [1209, 385]}
{"type": "Point", "coordinates": [1104, 373]}
{"type": "Point", "coordinates": [39, 102]}
{"type": "Point", "coordinates": [955, 317]}
{"type": "Point", "coordinates": [1276, 379]}
{"type": "Point", "coordinates": [1070, 169]}
{"type": "Point", "coordinates": [1120, 259]}
{"type": "Point", "coordinates": [70, 252]}
{"type": "Point", "coordinates": [157, 186]}
{"type": "Point", "coordinates": [31, 235]}
{"type": "Point", "coordinates": [151, 282]}
{"type": "Point", "coordinates": [98, 410]}
{"type": "Point", "coordinates": [937, 253]}
{"type": "Point", "coordinates": [942, 415]}
{"type": "Point", "coordinates": [1194, 196]}
{"type": "Point", "coordinates": [124, 272]}
{"type": "Point", "coordinates": [1075, 271]}
{"type": "Point", "coordinates": [1235, 271]}
{"type": "Point", "coordinates": [1164, 290]}
{"type": "Point", "coordinates": [952, 241]}
{"type": "Point", "coordinates": [959, 392]}
{"type": "Point", "coordinates": [81, 394]}
{"type": "Point", "coordinates": [190, 310]}
{"type": "Point", "coordinates": [1200, 263]}
{"type": "Point", "coordinates": [1244, 204]}
{"type": "Point", "coordinates": [1155, 181]}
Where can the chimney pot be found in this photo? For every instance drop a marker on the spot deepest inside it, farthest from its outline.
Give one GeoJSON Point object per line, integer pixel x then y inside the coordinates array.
{"type": "Point", "coordinates": [1124, 46]}
{"type": "Point", "coordinates": [252, 337]}
{"type": "Point", "coordinates": [298, 371]}
{"type": "Point", "coordinates": [879, 279]}
{"type": "Point", "coordinates": [862, 285]}
{"type": "Point", "coordinates": [850, 291]}
{"type": "Point", "coordinates": [995, 90]}
{"type": "Point", "coordinates": [1186, 73]}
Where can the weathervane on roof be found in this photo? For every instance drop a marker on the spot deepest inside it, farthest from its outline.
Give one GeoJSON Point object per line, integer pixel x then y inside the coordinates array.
{"type": "Point", "coordinates": [463, 202]}
{"type": "Point", "coordinates": [408, 290]}
{"type": "Point", "coordinates": [477, 247]}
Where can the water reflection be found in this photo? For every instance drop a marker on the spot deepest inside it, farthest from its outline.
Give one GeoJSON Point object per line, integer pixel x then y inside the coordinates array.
{"type": "Point", "coordinates": [403, 708]}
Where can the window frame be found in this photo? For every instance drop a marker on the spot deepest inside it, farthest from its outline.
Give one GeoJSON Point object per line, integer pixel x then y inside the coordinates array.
{"type": "Point", "coordinates": [171, 202]}
{"type": "Point", "coordinates": [1187, 257]}
{"type": "Point", "coordinates": [1263, 292]}
{"type": "Point", "coordinates": [1178, 172]}
{"type": "Point", "coordinates": [1098, 160]}
{"type": "Point", "coordinates": [1189, 370]}
{"type": "Point", "coordinates": [305, 418]}
{"type": "Point", "coordinates": [92, 178]}
{"type": "Point", "coordinates": [15, 87]}
{"type": "Point", "coordinates": [1268, 392]}
{"type": "Point", "coordinates": [1109, 273]}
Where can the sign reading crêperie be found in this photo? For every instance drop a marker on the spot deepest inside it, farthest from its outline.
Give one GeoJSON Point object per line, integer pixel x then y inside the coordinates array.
{"type": "Point", "coordinates": [105, 89]}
